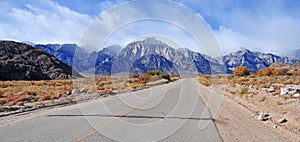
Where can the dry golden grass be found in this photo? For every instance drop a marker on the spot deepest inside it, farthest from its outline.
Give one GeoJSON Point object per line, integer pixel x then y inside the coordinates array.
{"type": "Point", "coordinates": [20, 92]}
{"type": "Point", "coordinates": [23, 92]}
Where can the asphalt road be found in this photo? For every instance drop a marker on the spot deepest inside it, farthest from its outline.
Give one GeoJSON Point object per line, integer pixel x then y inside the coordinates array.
{"type": "Point", "coordinates": [170, 112]}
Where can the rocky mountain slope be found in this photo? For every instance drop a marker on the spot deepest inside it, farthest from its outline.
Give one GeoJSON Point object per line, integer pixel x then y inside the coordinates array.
{"type": "Point", "coordinates": [66, 53]}
{"type": "Point", "coordinates": [19, 61]}
{"type": "Point", "coordinates": [183, 60]}
{"type": "Point", "coordinates": [253, 60]}
{"type": "Point", "coordinates": [153, 62]}
{"type": "Point", "coordinates": [151, 53]}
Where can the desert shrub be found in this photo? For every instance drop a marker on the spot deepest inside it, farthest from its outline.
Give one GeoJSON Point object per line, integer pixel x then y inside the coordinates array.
{"type": "Point", "coordinates": [264, 72]}
{"type": "Point", "coordinates": [144, 78]}
{"type": "Point", "coordinates": [44, 98]}
{"type": "Point", "coordinates": [166, 76]}
{"type": "Point", "coordinates": [242, 79]}
{"type": "Point", "coordinates": [153, 72]}
{"type": "Point", "coordinates": [276, 72]}
{"type": "Point", "coordinates": [40, 83]}
{"type": "Point", "coordinates": [107, 91]}
{"type": "Point", "coordinates": [24, 97]}
{"type": "Point", "coordinates": [174, 78]}
{"type": "Point", "coordinates": [272, 72]}
{"type": "Point", "coordinates": [244, 90]}
{"type": "Point", "coordinates": [56, 96]}
{"type": "Point", "coordinates": [297, 73]}
{"type": "Point", "coordinates": [4, 84]}
{"type": "Point", "coordinates": [205, 80]}
{"type": "Point", "coordinates": [241, 71]}
{"type": "Point", "coordinates": [20, 103]}
{"type": "Point", "coordinates": [156, 77]}
{"type": "Point", "coordinates": [284, 71]}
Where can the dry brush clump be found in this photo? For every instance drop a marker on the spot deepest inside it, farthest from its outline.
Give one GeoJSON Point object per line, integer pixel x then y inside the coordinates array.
{"type": "Point", "coordinates": [4, 84]}
{"type": "Point", "coordinates": [108, 85]}
{"type": "Point", "coordinates": [205, 80]}
{"type": "Point", "coordinates": [241, 71]}
{"type": "Point", "coordinates": [152, 77]}
{"type": "Point", "coordinates": [272, 72]}
{"type": "Point", "coordinates": [244, 90]}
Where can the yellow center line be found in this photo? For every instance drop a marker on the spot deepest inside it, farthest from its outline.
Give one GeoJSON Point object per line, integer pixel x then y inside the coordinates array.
{"type": "Point", "coordinates": [125, 114]}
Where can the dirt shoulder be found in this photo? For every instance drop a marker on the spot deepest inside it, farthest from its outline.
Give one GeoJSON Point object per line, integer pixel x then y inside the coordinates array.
{"type": "Point", "coordinates": [236, 122]}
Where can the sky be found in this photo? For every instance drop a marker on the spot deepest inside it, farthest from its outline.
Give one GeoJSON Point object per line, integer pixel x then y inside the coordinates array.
{"type": "Point", "coordinates": [259, 25]}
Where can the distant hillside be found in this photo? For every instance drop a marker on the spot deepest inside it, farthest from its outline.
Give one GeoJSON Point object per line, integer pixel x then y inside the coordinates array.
{"type": "Point", "coordinates": [295, 66]}
{"type": "Point", "coordinates": [19, 61]}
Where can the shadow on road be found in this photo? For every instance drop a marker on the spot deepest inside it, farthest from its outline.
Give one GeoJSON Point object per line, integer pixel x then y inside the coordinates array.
{"type": "Point", "coordinates": [131, 116]}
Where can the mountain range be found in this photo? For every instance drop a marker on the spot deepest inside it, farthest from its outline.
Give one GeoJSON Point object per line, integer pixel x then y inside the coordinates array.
{"type": "Point", "coordinates": [148, 54]}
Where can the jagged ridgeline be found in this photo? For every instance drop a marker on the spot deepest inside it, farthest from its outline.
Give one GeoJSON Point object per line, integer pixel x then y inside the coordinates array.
{"type": "Point", "coordinates": [149, 54]}
{"type": "Point", "coordinates": [19, 61]}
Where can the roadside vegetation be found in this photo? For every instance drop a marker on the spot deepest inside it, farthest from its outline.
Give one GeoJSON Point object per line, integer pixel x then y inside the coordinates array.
{"type": "Point", "coordinates": [262, 78]}
{"type": "Point", "coordinates": [21, 94]}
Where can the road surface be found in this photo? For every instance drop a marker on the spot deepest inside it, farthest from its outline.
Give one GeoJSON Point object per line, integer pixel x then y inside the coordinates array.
{"type": "Point", "coordinates": [170, 112]}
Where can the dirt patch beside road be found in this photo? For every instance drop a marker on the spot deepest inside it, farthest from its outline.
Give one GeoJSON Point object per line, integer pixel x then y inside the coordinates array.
{"type": "Point", "coordinates": [237, 121]}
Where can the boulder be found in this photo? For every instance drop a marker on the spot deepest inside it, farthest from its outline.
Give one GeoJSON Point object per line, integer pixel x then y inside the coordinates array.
{"type": "Point", "coordinates": [261, 116]}
{"type": "Point", "coordinates": [289, 91]}
{"type": "Point", "coordinates": [282, 120]}
{"type": "Point", "coordinates": [69, 93]}
{"type": "Point", "coordinates": [296, 95]}
{"type": "Point", "coordinates": [284, 91]}
{"type": "Point", "coordinates": [271, 89]}
{"type": "Point", "coordinates": [83, 91]}
{"type": "Point", "coordinates": [75, 91]}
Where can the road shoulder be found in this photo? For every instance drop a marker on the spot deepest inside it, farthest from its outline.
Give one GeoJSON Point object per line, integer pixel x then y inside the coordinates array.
{"type": "Point", "coordinates": [236, 123]}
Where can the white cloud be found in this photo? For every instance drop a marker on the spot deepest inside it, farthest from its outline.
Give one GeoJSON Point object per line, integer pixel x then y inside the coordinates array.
{"type": "Point", "coordinates": [45, 22]}
{"type": "Point", "coordinates": [230, 40]}
{"type": "Point", "coordinates": [269, 35]}
{"type": "Point", "coordinates": [132, 21]}
{"type": "Point", "coordinates": [152, 28]}
{"type": "Point", "coordinates": [267, 27]}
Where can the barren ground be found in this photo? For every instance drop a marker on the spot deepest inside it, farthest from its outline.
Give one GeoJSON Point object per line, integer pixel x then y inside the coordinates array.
{"type": "Point", "coordinates": [237, 116]}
